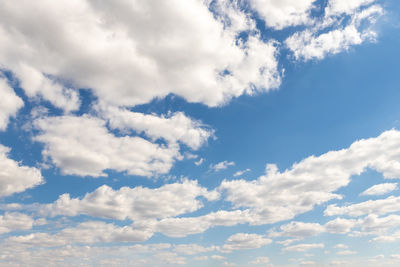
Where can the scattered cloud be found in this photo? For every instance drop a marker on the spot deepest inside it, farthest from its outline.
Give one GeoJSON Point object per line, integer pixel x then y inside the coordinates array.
{"type": "Point", "coordinates": [380, 189]}
{"type": "Point", "coordinates": [221, 165]}
{"type": "Point", "coordinates": [14, 177]}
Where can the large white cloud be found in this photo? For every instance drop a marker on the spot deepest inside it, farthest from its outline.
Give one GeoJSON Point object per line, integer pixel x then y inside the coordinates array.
{"type": "Point", "coordinates": [176, 127]}
{"type": "Point", "coordinates": [14, 177]}
{"type": "Point", "coordinates": [84, 146]}
{"type": "Point", "coordinates": [15, 221]}
{"type": "Point", "coordinates": [280, 14]}
{"type": "Point", "coordinates": [331, 35]}
{"type": "Point", "coordinates": [130, 52]}
{"type": "Point", "coordinates": [280, 196]}
{"type": "Point", "coordinates": [10, 103]}
{"type": "Point", "coordinates": [137, 203]}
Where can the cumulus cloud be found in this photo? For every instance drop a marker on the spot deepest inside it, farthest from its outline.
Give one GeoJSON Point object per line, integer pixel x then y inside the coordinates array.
{"type": "Point", "coordinates": [282, 14]}
{"type": "Point", "coordinates": [172, 128]}
{"type": "Point", "coordinates": [12, 221]}
{"type": "Point", "coordinates": [103, 46]}
{"type": "Point", "coordinates": [303, 247]}
{"type": "Point", "coordinates": [14, 177]}
{"type": "Point", "coordinates": [83, 146]}
{"type": "Point", "coordinates": [137, 204]}
{"type": "Point", "coordinates": [380, 189]}
{"type": "Point", "coordinates": [331, 35]}
{"type": "Point", "coordinates": [379, 207]}
{"type": "Point", "coordinates": [84, 233]}
{"type": "Point", "coordinates": [241, 241]}
{"type": "Point", "coordinates": [280, 196]}
{"type": "Point", "coordinates": [260, 260]}
{"type": "Point", "coordinates": [10, 103]}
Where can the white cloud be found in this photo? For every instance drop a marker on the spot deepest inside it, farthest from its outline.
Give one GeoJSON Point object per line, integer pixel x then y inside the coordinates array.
{"type": "Point", "coordinates": [133, 51]}
{"type": "Point", "coordinates": [199, 162]}
{"type": "Point", "coordinates": [260, 260]}
{"type": "Point", "coordinates": [323, 39]}
{"type": "Point", "coordinates": [380, 189]}
{"type": "Point", "coordinates": [84, 233]}
{"type": "Point", "coordinates": [12, 221]}
{"type": "Point", "coordinates": [14, 177]}
{"type": "Point", "coordinates": [341, 246]}
{"type": "Point", "coordinates": [282, 14]}
{"type": "Point", "coordinates": [241, 241]}
{"type": "Point", "coordinates": [83, 146]}
{"type": "Point", "coordinates": [192, 249]}
{"type": "Point", "coordinates": [240, 173]}
{"type": "Point", "coordinates": [221, 165]}
{"type": "Point", "coordinates": [280, 196]}
{"type": "Point", "coordinates": [379, 207]}
{"type": "Point", "coordinates": [299, 230]}
{"type": "Point", "coordinates": [136, 203]}
{"type": "Point", "coordinates": [303, 247]}
{"type": "Point", "coordinates": [10, 103]}
{"type": "Point", "coordinates": [337, 7]}
{"type": "Point", "coordinates": [172, 128]}
{"type": "Point", "coordinates": [340, 226]}
{"type": "Point", "coordinates": [346, 252]}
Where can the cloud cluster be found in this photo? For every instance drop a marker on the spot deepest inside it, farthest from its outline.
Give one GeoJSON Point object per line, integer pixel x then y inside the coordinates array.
{"type": "Point", "coordinates": [103, 46]}
{"type": "Point", "coordinates": [14, 177]}
{"type": "Point", "coordinates": [137, 203]}
{"type": "Point", "coordinates": [83, 146]}
{"type": "Point", "coordinates": [10, 103]}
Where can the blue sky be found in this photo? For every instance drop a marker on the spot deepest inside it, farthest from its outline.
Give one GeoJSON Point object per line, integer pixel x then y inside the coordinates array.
{"type": "Point", "coordinates": [199, 133]}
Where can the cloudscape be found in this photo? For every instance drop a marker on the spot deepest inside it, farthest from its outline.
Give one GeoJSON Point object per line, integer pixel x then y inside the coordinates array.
{"type": "Point", "coordinates": [199, 133]}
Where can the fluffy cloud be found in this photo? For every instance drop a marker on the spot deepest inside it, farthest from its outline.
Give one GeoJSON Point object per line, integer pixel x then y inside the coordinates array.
{"type": "Point", "coordinates": [84, 146]}
{"type": "Point", "coordinates": [15, 221]}
{"type": "Point", "coordinates": [192, 249]}
{"type": "Point", "coordinates": [242, 241]}
{"type": "Point", "coordinates": [172, 128]}
{"type": "Point", "coordinates": [15, 178]}
{"type": "Point", "coordinates": [281, 14]}
{"type": "Point", "coordinates": [130, 52]}
{"type": "Point", "coordinates": [380, 189]}
{"type": "Point", "coordinates": [299, 230]}
{"type": "Point", "coordinates": [329, 36]}
{"type": "Point", "coordinates": [84, 233]}
{"type": "Point", "coordinates": [280, 196]}
{"type": "Point", "coordinates": [303, 247]}
{"type": "Point", "coordinates": [379, 207]}
{"type": "Point", "coordinates": [260, 260]}
{"type": "Point", "coordinates": [10, 103]}
{"type": "Point", "coordinates": [137, 203]}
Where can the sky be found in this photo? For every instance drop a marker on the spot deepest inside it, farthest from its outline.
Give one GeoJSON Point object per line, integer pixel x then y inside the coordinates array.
{"type": "Point", "coordinates": [199, 133]}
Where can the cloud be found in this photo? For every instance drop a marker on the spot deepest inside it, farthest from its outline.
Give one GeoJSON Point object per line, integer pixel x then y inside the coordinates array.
{"type": "Point", "coordinates": [379, 207]}
{"type": "Point", "coordinates": [346, 252]}
{"type": "Point", "coordinates": [15, 178]}
{"type": "Point", "coordinates": [130, 52]}
{"type": "Point", "coordinates": [299, 230]}
{"type": "Point", "coordinates": [243, 241]}
{"type": "Point", "coordinates": [303, 247]}
{"type": "Point", "coordinates": [380, 189]}
{"type": "Point", "coordinates": [137, 203]}
{"type": "Point", "coordinates": [260, 260]}
{"type": "Point", "coordinates": [341, 246]}
{"type": "Point", "coordinates": [221, 165]}
{"type": "Point", "coordinates": [240, 173]}
{"type": "Point", "coordinates": [282, 14]}
{"type": "Point", "coordinates": [192, 249]}
{"type": "Point", "coordinates": [330, 36]}
{"type": "Point", "coordinates": [172, 128]}
{"type": "Point", "coordinates": [83, 146]}
{"type": "Point", "coordinates": [280, 196]}
{"type": "Point", "coordinates": [15, 221]}
{"type": "Point", "coordinates": [90, 232]}
{"type": "Point", "coordinates": [10, 103]}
